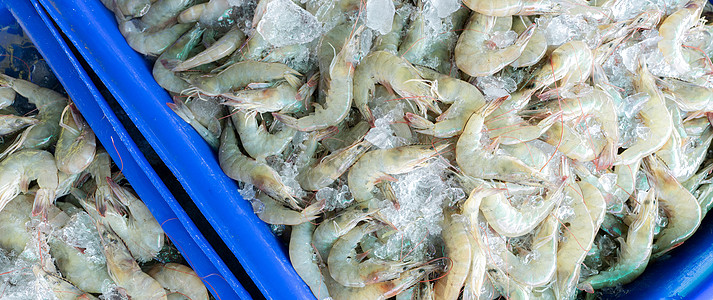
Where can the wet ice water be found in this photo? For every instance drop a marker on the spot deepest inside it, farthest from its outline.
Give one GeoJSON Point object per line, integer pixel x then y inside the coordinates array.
{"type": "Point", "coordinates": [421, 194]}
{"type": "Point", "coordinates": [285, 23]}
{"type": "Point", "coordinates": [380, 15]}
{"type": "Point", "coordinates": [18, 282]}
{"type": "Point", "coordinates": [382, 135]}
{"type": "Point", "coordinates": [335, 198]}
{"type": "Point", "coordinates": [565, 28]}
{"type": "Point", "coordinates": [494, 87]}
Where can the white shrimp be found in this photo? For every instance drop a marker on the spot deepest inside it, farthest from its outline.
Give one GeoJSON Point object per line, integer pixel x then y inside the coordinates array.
{"type": "Point", "coordinates": [472, 54]}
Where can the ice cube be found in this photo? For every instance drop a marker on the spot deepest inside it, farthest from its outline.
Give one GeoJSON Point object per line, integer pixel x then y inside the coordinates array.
{"type": "Point", "coordinates": [445, 8]}
{"type": "Point", "coordinates": [285, 23]}
{"type": "Point", "coordinates": [502, 39]}
{"type": "Point", "coordinates": [380, 15]}
{"type": "Point", "coordinates": [494, 87]}
{"type": "Point", "coordinates": [382, 135]}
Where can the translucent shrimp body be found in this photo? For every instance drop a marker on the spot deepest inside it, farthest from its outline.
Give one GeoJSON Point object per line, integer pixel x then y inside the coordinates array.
{"type": "Point", "coordinates": [18, 169]}
{"type": "Point", "coordinates": [472, 55]}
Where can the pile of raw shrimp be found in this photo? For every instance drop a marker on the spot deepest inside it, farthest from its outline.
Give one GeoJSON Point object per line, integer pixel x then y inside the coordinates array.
{"type": "Point", "coordinates": [70, 228]}
{"type": "Point", "coordinates": [439, 148]}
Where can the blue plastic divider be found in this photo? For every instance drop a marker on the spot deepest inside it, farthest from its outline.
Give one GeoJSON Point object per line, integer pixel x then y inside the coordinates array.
{"type": "Point", "coordinates": [93, 30]}
{"type": "Point", "coordinates": [177, 225]}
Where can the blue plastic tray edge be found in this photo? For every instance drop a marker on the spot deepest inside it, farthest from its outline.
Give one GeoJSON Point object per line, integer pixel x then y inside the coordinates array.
{"type": "Point", "coordinates": [137, 170]}
{"type": "Point", "coordinates": [213, 192]}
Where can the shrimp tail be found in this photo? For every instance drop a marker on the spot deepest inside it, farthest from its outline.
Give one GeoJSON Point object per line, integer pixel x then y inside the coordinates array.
{"type": "Point", "coordinates": [421, 124]}
{"type": "Point", "coordinates": [43, 199]}
{"type": "Point", "coordinates": [307, 89]}
{"type": "Point", "coordinates": [6, 81]}
{"type": "Point", "coordinates": [607, 157]}
{"type": "Point", "coordinates": [170, 64]}
{"type": "Point", "coordinates": [313, 210]}
{"type": "Point", "coordinates": [287, 120]}
{"type": "Point", "coordinates": [293, 80]}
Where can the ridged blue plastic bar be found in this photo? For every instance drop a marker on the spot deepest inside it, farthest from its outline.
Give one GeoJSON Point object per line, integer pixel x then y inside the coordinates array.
{"type": "Point", "coordinates": [180, 229]}
{"type": "Point", "coordinates": [94, 32]}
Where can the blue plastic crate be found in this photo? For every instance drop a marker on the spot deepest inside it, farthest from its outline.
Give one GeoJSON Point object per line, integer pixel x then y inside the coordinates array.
{"type": "Point", "coordinates": [180, 229]}
{"type": "Point", "coordinates": [92, 29]}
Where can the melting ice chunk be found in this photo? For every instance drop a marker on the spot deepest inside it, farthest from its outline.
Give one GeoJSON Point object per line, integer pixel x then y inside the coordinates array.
{"type": "Point", "coordinates": [445, 8]}
{"type": "Point", "coordinates": [380, 15]}
{"type": "Point", "coordinates": [285, 23]}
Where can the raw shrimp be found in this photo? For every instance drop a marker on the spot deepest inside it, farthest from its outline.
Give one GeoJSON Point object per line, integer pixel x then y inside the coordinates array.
{"type": "Point", "coordinates": [536, 47]}
{"type": "Point", "coordinates": [514, 7]}
{"type": "Point", "coordinates": [302, 257]}
{"type": "Point", "coordinates": [86, 270]}
{"type": "Point", "coordinates": [178, 51]}
{"type": "Point", "coordinates": [672, 32]}
{"type": "Point", "coordinates": [379, 165]}
{"type": "Point", "coordinates": [635, 250]}
{"type": "Point", "coordinates": [24, 166]}
{"type": "Point", "coordinates": [12, 123]}
{"type": "Point", "coordinates": [470, 154]}
{"type": "Point", "coordinates": [273, 212]}
{"type": "Point", "coordinates": [458, 248]}
{"type": "Point", "coordinates": [506, 286]}
{"type": "Point", "coordinates": [570, 63]}
{"type": "Point", "coordinates": [129, 8]}
{"type": "Point", "coordinates": [12, 223]}
{"type": "Point", "coordinates": [245, 169]}
{"type": "Point", "coordinates": [381, 290]}
{"type": "Point", "coordinates": [163, 13]}
{"type": "Point", "coordinates": [345, 268]}
{"type": "Point", "coordinates": [477, 278]}
{"type": "Point", "coordinates": [600, 106]}
{"type": "Point", "coordinates": [192, 14]}
{"type": "Point", "coordinates": [339, 95]}
{"type": "Point", "coordinates": [256, 141]}
{"type": "Point", "coordinates": [472, 54]}
{"type": "Point", "coordinates": [654, 115]}
{"type": "Point", "coordinates": [579, 235]}
{"type": "Point", "coordinates": [282, 97]}
{"type": "Point", "coordinates": [238, 76]}
{"type": "Point", "coordinates": [540, 269]}
{"type": "Point", "coordinates": [346, 135]}
{"type": "Point", "coordinates": [222, 48]}
{"type": "Point", "coordinates": [395, 72]}
{"type": "Point", "coordinates": [683, 211]}
{"type": "Point", "coordinates": [684, 158]}
{"type": "Point", "coordinates": [330, 230]}
{"type": "Point", "coordinates": [422, 46]}
{"type": "Point", "coordinates": [76, 145]}
{"type": "Point", "coordinates": [179, 280]}
{"type": "Point", "coordinates": [143, 230]}
{"type": "Point", "coordinates": [464, 98]}
{"type": "Point", "coordinates": [184, 112]}
{"type": "Point", "coordinates": [570, 142]}
{"type": "Point", "coordinates": [509, 127]}
{"type": "Point", "coordinates": [100, 170]}
{"type": "Point", "coordinates": [7, 96]}
{"type": "Point", "coordinates": [63, 289]}
{"type": "Point", "coordinates": [49, 105]}
{"type": "Point", "coordinates": [390, 42]}
{"type": "Point", "coordinates": [527, 153]}
{"type": "Point", "coordinates": [689, 96]}
{"type": "Point", "coordinates": [332, 166]}
{"type": "Point", "coordinates": [124, 270]}
{"type": "Point", "coordinates": [513, 222]}
{"type": "Point", "coordinates": [149, 42]}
